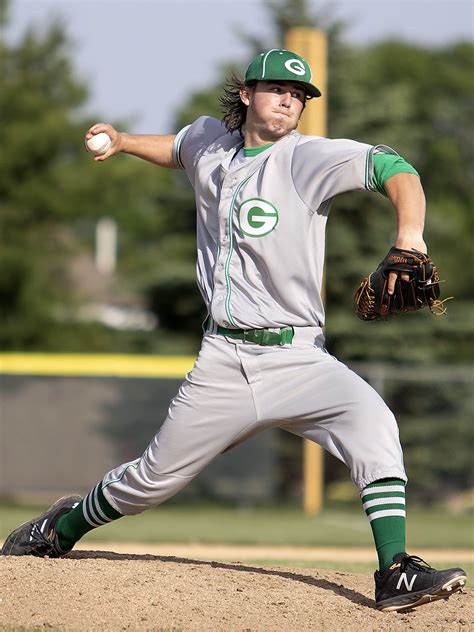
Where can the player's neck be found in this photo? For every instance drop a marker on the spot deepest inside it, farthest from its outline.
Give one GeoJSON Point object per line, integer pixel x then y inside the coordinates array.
{"type": "Point", "coordinates": [254, 139]}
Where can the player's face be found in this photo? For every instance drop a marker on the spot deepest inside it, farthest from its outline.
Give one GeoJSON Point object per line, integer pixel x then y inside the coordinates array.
{"type": "Point", "coordinates": [274, 108]}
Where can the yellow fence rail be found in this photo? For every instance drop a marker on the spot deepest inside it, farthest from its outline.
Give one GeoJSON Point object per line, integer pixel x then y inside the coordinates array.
{"type": "Point", "coordinates": [95, 365]}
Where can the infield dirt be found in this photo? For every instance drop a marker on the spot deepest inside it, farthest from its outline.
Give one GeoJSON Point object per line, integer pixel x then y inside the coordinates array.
{"type": "Point", "coordinates": [100, 591]}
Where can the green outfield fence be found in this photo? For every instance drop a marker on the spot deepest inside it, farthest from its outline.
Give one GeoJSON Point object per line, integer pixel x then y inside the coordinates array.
{"type": "Point", "coordinates": [66, 419]}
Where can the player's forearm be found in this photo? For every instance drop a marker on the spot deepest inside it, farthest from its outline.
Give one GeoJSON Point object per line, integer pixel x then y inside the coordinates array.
{"type": "Point", "coordinates": [153, 148]}
{"type": "Point", "coordinates": [406, 194]}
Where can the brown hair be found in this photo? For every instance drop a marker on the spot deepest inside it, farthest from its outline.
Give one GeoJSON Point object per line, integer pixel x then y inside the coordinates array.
{"type": "Point", "coordinates": [233, 108]}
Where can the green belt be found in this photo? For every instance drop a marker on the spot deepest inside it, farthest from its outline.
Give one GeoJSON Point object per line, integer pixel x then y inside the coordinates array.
{"type": "Point", "coordinates": [264, 337]}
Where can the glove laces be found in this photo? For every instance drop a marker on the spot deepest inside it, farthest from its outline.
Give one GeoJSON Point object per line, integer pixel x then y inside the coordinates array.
{"type": "Point", "coordinates": [437, 307]}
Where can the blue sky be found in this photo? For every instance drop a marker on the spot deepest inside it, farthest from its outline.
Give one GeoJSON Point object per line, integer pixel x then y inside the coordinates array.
{"type": "Point", "coordinates": [141, 57]}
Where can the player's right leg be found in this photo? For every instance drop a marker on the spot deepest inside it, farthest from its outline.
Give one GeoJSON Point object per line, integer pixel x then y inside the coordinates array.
{"type": "Point", "coordinates": [213, 407]}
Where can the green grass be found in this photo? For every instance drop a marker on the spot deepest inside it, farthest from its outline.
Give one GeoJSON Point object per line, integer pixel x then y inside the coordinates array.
{"type": "Point", "coordinates": [355, 567]}
{"type": "Point", "coordinates": [266, 525]}
{"type": "Point", "coordinates": [351, 567]}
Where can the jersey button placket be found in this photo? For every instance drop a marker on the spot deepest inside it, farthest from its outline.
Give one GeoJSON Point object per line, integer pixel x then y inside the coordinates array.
{"type": "Point", "coordinates": [220, 282]}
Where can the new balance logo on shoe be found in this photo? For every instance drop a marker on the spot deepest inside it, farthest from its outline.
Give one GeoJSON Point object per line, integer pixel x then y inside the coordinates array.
{"type": "Point", "coordinates": [404, 579]}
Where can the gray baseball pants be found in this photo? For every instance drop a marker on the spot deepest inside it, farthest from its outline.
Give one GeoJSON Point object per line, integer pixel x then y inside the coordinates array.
{"type": "Point", "coordinates": [236, 390]}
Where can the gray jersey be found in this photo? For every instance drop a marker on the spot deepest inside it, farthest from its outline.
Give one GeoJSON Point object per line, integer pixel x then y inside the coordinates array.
{"type": "Point", "coordinates": [261, 225]}
{"type": "Point", "coordinates": [260, 234]}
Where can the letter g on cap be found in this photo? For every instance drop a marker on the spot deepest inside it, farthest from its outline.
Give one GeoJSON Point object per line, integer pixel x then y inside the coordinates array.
{"type": "Point", "coordinates": [295, 66]}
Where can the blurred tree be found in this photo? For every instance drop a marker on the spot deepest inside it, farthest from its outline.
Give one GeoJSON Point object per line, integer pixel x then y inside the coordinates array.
{"type": "Point", "coordinates": [51, 194]}
{"type": "Point", "coordinates": [417, 100]}
{"type": "Point", "coordinates": [36, 94]}
{"type": "Point", "coordinates": [3, 13]}
{"type": "Point", "coordinates": [406, 97]}
{"type": "Point", "coordinates": [438, 446]}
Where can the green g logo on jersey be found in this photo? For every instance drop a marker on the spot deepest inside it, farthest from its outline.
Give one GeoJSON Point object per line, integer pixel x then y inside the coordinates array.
{"type": "Point", "coordinates": [257, 217]}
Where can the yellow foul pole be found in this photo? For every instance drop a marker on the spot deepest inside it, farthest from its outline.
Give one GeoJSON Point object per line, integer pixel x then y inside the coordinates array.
{"type": "Point", "coordinates": [311, 44]}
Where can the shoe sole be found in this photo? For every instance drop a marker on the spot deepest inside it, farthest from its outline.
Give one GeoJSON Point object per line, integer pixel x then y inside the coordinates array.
{"type": "Point", "coordinates": [442, 591]}
{"type": "Point", "coordinates": [12, 539]}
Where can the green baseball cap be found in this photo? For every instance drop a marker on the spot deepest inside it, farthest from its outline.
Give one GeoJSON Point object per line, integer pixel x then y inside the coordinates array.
{"type": "Point", "coordinates": [281, 65]}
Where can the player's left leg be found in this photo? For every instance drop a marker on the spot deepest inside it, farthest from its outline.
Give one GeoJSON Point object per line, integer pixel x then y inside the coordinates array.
{"type": "Point", "coordinates": [327, 403]}
{"type": "Point", "coordinates": [402, 581]}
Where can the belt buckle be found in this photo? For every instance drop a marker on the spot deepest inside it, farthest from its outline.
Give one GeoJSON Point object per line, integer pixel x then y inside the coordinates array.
{"type": "Point", "coordinates": [268, 337]}
{"type": "Point", "coordinates": [286, 333]}
{"type": "Point", "coordinates": [250, 336]}
{"type": "Point", "coordinates": [272, 337]}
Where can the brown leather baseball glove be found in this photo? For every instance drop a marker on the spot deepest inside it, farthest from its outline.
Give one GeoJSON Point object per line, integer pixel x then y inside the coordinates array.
{"type": "Point", "coordinates": [372, 300]}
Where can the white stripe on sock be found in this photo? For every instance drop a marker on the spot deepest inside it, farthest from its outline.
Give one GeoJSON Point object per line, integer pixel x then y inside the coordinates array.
{"type": "Point", "coordinates": [396, 500]}
{"type": "Point", "coordinates": [97, 506]}
{"type": "Point", "coordinates": [382, 490]}
{"type": "Point", "coordinates": [91, 509]}
{"type": "Point", "coordinates": [86, 514]}
{"type": "Point", "coordinates": [384, 513]}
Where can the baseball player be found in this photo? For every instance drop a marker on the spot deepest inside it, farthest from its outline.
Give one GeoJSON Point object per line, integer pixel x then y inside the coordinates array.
{"type": "Point", "coordinates": [263, 194]}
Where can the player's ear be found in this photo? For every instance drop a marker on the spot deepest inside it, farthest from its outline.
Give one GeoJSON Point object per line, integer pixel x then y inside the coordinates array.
{"type": "Point", "coordinates": [245, 93]}
{"type": "Point", "coordinates": [301, 113]}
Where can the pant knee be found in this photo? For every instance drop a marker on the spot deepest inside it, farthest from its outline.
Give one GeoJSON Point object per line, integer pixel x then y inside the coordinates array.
{"type": "Point", "coordinates": [131, 497]}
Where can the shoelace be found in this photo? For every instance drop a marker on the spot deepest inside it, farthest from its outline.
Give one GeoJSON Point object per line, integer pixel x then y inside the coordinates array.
{"type": "Point", "coordinates": [415, 562]}
{"type": "Point", "coordinates": [39, 542]}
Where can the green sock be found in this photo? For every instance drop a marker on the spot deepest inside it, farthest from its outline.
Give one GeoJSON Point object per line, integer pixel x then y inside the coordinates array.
{"type": "Point", "coordinates": [384, 504]}
{"type": "Point", "coordinates": [93, 511]}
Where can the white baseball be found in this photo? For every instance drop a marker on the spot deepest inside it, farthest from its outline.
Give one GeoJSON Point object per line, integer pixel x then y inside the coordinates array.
{"type": "Point", "coordinates": [99, 144]}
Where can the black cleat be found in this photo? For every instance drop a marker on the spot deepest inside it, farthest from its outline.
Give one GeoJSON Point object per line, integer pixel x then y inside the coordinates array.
{"type": "Point", "coordinates": [410, 582]}
{"type": "Point", "coordinates": [38, 536]}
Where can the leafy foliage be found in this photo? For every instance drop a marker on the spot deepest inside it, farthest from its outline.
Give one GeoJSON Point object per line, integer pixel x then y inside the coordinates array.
{"type": "Point", "coordinates": [400, 95]}
{"type": "Point", "coordinates": [416, 99]}
{"type": "Point", "coordinates": [51, 195]}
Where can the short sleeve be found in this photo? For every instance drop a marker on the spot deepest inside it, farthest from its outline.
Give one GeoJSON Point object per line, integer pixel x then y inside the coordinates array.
{"type": "Point", "coordinates": [323, 168]}
{"type": "Point", "coordinates": [385, 165]}
{"type": "Point", "coordinates": [192, 141]}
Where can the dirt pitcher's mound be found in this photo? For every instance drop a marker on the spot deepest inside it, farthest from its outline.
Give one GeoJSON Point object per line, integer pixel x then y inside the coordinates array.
{"type": "Point", "coordinates": [107, 592]}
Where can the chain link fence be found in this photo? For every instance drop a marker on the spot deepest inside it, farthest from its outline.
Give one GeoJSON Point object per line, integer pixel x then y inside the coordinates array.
{"type": "Point", "coordinates": [60, 434]}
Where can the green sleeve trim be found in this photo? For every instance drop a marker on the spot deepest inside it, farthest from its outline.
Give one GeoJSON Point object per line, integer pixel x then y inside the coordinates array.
{"type": "Point", "coordinates": [388, 165]}
{"type": "Point", "coordinates": [383, 163]}
{"type": "Point", "coordinates": [178, 141]}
